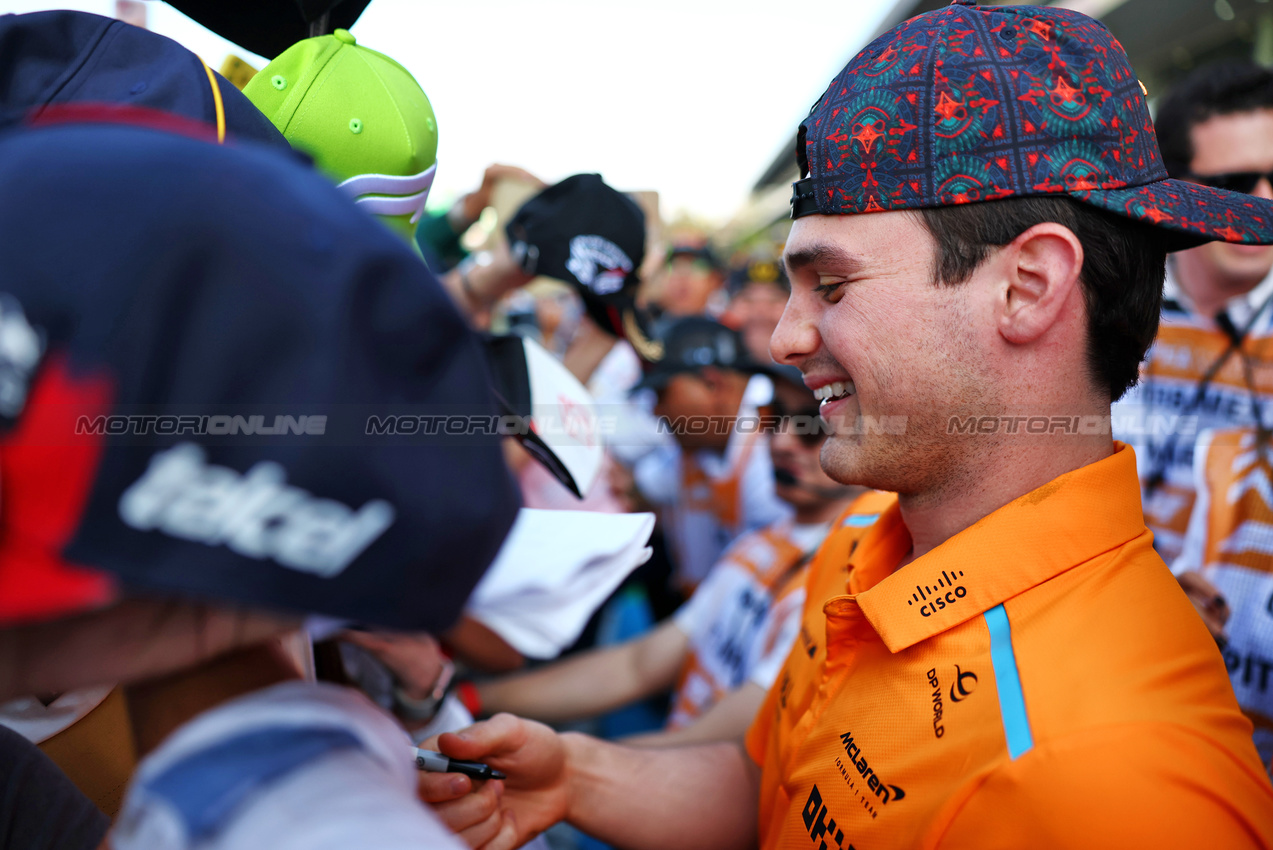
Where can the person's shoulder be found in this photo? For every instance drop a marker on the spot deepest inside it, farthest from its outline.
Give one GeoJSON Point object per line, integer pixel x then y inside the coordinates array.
{"type": "Point", "coordinates": [1114, 640]}
{"type": "Point", "coordinates": [1136, 784]}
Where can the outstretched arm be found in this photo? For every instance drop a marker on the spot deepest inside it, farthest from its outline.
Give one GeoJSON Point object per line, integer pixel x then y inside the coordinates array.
{"type": "Point", "coordinates": [727, 720]}
{"type": "Point", "coordinates": [665, 799]}
{"type": "Point", "coordinates": [591, 683]}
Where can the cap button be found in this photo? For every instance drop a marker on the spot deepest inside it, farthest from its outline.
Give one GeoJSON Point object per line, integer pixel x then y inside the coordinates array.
{"type": "Point", "coordinates": [344, 36]}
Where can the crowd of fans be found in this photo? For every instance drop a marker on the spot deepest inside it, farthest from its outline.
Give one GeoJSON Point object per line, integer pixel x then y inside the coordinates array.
{"type": "Point", "coordinates": [225, 638]}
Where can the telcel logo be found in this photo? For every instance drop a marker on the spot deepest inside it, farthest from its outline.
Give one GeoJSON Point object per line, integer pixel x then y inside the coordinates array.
{"type": "Point", "coordinates": [936, 597]}
{"type": "Point", "coordinates": [256, 514]}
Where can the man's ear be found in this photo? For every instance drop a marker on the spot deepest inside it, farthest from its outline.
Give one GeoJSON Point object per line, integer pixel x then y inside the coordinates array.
{"type": "Point", "coordinates": [1042, 266]}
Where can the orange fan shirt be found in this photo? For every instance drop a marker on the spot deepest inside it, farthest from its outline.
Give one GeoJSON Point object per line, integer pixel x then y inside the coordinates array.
{"type": "Point", "coordinates": [725, 617]}
{"type": "Point", "coordinates": [1230, 542]}
{"type": "Point", "coordinates": [1163, 415]}
{"type": "Point", "coordinates": [1038, 680]}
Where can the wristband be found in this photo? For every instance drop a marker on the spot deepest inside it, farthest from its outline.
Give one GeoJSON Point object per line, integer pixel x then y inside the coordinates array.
{"type": "Point", "coordinates": [456, 218]}
{"type": "Point", "coordinates": [411, 708]}
{"type": "Point", "coordinates": [472, 261]}
{"type": "Point", "coordinates": [469, 697]}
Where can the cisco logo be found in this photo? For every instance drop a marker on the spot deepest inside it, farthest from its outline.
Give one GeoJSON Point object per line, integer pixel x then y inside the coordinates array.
{"type": "Point", "coordinates": [945, 592]}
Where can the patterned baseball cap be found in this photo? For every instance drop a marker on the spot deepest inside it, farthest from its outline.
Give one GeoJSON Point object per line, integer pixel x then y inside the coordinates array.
{"type": "Point", "coordinates": [975, 103]}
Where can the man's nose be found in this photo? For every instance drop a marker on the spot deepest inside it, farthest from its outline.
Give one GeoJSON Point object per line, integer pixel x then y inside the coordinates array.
{"type": "Point", "coordinates": [796, 337]}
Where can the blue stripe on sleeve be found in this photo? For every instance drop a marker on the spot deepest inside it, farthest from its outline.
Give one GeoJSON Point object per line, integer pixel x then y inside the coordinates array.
{"type": "Point", "coordinates": [1016, 725]}
{"type": "Point", "coordinates": [205, 787]}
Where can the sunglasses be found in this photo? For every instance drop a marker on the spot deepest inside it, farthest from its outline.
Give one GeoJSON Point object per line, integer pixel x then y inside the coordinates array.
{"type": "Point", "coordinates": [805, 424]}
{"type": "Point", "coordinates": [1233, 181]}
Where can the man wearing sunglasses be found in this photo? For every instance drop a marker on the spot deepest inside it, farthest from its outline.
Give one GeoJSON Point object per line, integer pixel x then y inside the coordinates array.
{"type": "Point", "coordinates": [1215, 129]}
{"type": "Point", "coordinates": [1208, 370]}
{"type": "Point", "coordinates": [723, 648]}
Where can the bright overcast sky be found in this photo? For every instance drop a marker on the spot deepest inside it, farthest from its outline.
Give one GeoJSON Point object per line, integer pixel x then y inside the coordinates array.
{"type": "Point", "coordinates": [691, 98]}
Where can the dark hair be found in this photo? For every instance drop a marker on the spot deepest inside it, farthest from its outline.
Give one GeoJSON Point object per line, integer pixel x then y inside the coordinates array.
{"type": "Point", "coordinates": [1122, 274]}
{"type": "Point", "coordinates": [1219, 88]}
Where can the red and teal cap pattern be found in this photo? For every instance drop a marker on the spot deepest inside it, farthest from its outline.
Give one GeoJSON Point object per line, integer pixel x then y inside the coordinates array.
{"type": "Point", "coordinates": [975, 103]}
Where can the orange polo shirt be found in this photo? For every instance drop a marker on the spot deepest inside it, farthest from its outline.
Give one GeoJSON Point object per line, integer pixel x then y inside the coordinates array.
{"type": "Point", "coordinates": [1038, 680]}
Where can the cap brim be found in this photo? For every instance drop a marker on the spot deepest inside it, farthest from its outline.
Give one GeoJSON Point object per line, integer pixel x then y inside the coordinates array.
{"type": "Point", "coordinates": [656, 380]}
{"type": "Point", "coordinates": [1191, 214]}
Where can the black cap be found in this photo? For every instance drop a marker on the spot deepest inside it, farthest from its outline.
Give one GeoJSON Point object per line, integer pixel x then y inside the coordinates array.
{"type": "Point", "coordinates": [766, 270]}
{"type": "Point", "coordinates": [268, 27]}
{"type": "Point", "coordinates": [589, 235]}
{"type": "Point", "coordinates": [694, 343]}
{"type": "Point", "coordinates": [701, 252]}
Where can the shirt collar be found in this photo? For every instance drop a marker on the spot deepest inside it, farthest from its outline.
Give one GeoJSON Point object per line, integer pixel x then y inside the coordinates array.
{"type": "Point", "coordinates": [1240, 307]}
{"type": "Point", "coordinates": [1066, 522]}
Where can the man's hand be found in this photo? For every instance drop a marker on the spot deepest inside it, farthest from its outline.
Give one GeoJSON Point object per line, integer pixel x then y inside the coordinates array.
{"type": "Point", "coordinates": [482, 279]}
{"type": "Point", "coordinates": [680, 798]}
{"type": "Point", "coordinates": [1209, 601]}
{"type": "Point", "coordinates": [416, 659]}
{"type": "Point", "coordinates": [472, 813]}
{"type": "Point", "coordinates": [507, 814]}
{"type": "Point", "coordinates": [479, 199]}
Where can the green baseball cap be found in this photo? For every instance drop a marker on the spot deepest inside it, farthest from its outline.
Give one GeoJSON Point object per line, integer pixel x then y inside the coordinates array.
{"type": "Point", "coordinates": [361, 116]}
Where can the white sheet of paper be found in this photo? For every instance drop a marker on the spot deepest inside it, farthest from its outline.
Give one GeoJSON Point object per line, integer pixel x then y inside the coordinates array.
{"type": "Point", "coordinates": [553, 571]}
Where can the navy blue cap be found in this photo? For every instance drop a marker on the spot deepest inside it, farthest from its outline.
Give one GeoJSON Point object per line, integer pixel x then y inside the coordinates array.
{"type": "Point", "coordinates": [696, 251]}
{"type": "Point", "coordinates": [50, 58]}
{"type": "Point", "coordinates": [227, 292]}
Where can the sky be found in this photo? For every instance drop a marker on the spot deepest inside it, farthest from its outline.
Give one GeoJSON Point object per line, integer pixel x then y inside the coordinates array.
{"type": "Point", "coordinates": [690, 98]}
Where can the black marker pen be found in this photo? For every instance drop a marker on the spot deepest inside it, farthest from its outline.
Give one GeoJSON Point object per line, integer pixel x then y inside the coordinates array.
{"type": "Point", "coordinates": [438, 763]}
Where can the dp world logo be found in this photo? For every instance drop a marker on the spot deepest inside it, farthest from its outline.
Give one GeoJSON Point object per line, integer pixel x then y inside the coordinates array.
{"type": "Point", "coordinates": [960, 689]}
{"type": "Point", "coordinates": [963, 686]}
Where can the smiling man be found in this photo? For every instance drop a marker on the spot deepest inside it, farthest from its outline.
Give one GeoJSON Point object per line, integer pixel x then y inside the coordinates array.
{"type": "Point", "coordinates": [1002, 660]}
